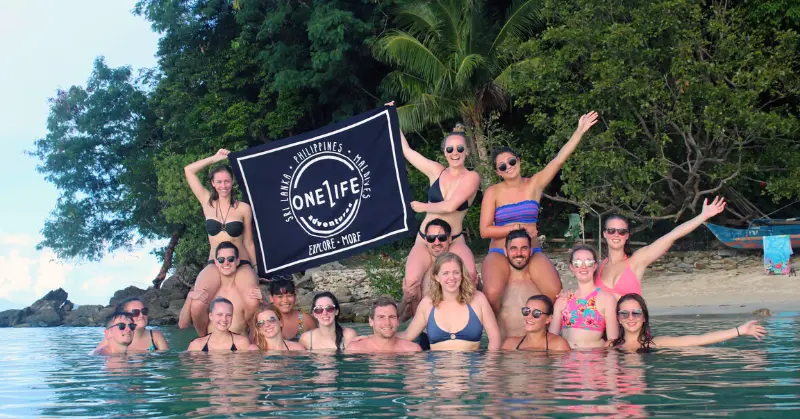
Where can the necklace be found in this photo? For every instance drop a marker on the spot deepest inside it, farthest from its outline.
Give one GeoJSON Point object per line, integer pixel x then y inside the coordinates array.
{"type": "Point", "coordinates": [218, 215]}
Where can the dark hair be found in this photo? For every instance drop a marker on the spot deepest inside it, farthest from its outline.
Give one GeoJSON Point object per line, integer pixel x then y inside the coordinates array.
{"type": "Point", "coordinates": [339, 330]}
{"type": "Point", "coordinates": [382, 301]}
{"type": "Point", "coordinates": [518, 234]}
{"type": "Point", "coordinates": [281, 286]}
{"type": "Point", "coordinates": [545, 299]}
{"type": "Point", "coordinates": [227, 245]}
{"type": "Point", "coordinates": [441, 223]}
{"type": "Point", "coordinates": [498, 151]}
{"type": "Point", "coordinates": [645, 336]}
{"type": "Point", "coordinates": [214, 194]}
{"type": "Point", "coordinates": [588, 248]}
{"type": "Point", "coordinates": [116, 314]}
{"type": "Point", "coordinates": [120, 308]}
{"type": "Point", "coordinates": [219, 300]}
{"type": "Point", "coordinates": [458, 130]}
{"type": "Point", "coordinates": [627, 247]}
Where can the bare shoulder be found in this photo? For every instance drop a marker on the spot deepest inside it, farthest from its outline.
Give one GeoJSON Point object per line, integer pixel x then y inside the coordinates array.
{"type": "Point", "coordinates": [358, 345]}
{"type": "Point", "coordinates": [308, 322]}
{"type": "Point", "coordinates": [510, 343]}
{"type": "Point", "coordinates": [253, 347]}
{"type": "Point", "coordinates": [195, 345]}
{"type": "Point", "coordinates": [480, 298]}
{"type": "Point", "coordinates": [241, 339]}
{"type": "Point", "coordinates": [607, 298]}
{"type": "Point", "coordinates": [407, 346]}
{"type": "Point", "coordinates": [294, 346]}
{"type": "Point", "coordinates": [349, 333]}
{"type": "Point", "coordinates": [558, 343]}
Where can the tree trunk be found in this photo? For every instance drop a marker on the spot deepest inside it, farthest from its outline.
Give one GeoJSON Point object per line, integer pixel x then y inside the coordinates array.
{"type": "Point", "coordinates": [484, 167]}
{"type": "Point", "coordinates": [168, 253]}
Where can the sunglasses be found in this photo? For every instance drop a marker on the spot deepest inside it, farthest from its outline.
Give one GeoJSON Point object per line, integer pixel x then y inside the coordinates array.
{"type": "Point", "coordinates": [136, 312]}
{"type": "Point", "coordinates": [624, 314]}
{"type": "Point", "coordinates": [121, 326]}
{"type": "Point", "coordinates": [581, 263]}
{"type": "Point", "coordinates": [621, 231]}
{"type": "Point", "coordinates": [433, 237]}
{"type": "Point", "coordinates": [449, 149]}
{"type": "Point", "coordinates": [271, 320]}
{"type": "Point", "coordinates": [536, 312]}
{"type": "Point", "coordinates": [230, 259]}
{"type": "Point", "coordinates": [511, 163]}
{"type": "Point", "coordinates": [320, 309]}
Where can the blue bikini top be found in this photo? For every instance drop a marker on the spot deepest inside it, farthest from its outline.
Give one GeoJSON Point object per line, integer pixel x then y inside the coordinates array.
{"type": "Point", "coordinates": [471, 332]}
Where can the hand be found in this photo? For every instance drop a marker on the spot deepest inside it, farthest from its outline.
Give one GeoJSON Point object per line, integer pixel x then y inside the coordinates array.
{"type": "Point", "coordinates": [256, 293]}
{"type": "Point", "coordinates": [358, 338]}
{"type": "Point", "coordinates": [609, 343]}
{"type": "Point", "coordinates": [532, 230]}
{"type": "Point", "coordinates": [417, 206]}
{"type": "Point", "coordinates": [715, 207]}
{"type": "Point", "coordinates": [565, 293]}
{"type": "Point", "coordinates": [752, 329]}
{"type": "Point", "coordinates": [389, 104]}
{"type": "Point", "coordinates": [200, 295]}
{"type": "Point", "coordinates": [586, 122]}
{"type": "Point", "coordinates": [222, 154]}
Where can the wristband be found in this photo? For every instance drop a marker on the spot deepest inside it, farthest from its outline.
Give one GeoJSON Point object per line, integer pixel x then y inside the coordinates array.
{"type": "Point", "coordinates": [737, 331]}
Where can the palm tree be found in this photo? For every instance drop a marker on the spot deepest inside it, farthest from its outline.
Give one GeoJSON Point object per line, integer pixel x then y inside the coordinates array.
{"type": "Point", "coordinates": [448, 62]}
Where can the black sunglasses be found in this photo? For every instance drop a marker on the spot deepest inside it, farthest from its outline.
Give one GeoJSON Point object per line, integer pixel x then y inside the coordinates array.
{"type": "Point", "coordinates": [136, 312]}
{"type": "Point", "coordinates": [536, 312]}
{"type": "Point", "coordinates": [624, 314]}
{"type": "Point", "coordinates": [621, 231]}
{"type": "Point", "coordinates": [222, 259]}
{"type": "Point", "coordinates": [511, 163]}
{"type": "Point", "coordinates": [121, 326]}
{"type": "Point", "coordinates": [449, 149]}
{"type": "Point", "coordinates": [432, 237]}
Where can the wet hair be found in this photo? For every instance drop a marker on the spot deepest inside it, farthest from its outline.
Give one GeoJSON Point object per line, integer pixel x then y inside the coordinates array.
{"type": "Point", "coordinates": [627, 247]}
{"type": "Point", "coordinates": [117, 314]}
{"type": "Point", "coordinates": [259, 339]}
{"type": "Point", "coordinates": [500, 150]}
{"type": "Point", "coordinates": [459, 130]}
{"type": "Point", "coordinates": [281, 286]}
{"type": "Point", "coordinates": [382, 301]}
{"type": "Point", "coordinates": [587, 247]}
{"type": "Point", "coordinates": [120, 308]}
{"type": "Point", "coordinates": [467, 287]}
{"type": "Point", "coordinates": [339, 330]}
{"type": "Point", "coordinates": [441, 223]}
{"type": "Point", "coordinates": [645, 336]}
{"type": "Point", "coordinates": [545, 299]}
{"type": "Point", "coordinates": [219, 300]}
{"type": "Point", "coordinates": [517, 234]}
{"type": "Point", "coordinates": [227, 245]}
{"type": "Point", "coordinates": [214, 194]}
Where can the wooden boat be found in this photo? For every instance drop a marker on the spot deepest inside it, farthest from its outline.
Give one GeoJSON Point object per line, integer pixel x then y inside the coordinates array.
{"type": "Point", "coordinates": [751, 238]}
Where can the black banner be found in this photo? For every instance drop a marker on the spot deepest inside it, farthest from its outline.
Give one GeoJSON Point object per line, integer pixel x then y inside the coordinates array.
{"type": "Point", "coordinates": [327, 194]}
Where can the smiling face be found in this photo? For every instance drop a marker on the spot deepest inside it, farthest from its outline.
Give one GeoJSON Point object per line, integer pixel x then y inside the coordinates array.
{"type": "Point", "coordinates": [505, 160]}
{"type": "Point", "coordinates": [283, 302]}
{"type": "Point", "coordinates": [385, 323]}
{"type": "Point", "coordinates": [229, 264]}
{"type": "Point", "coordinates": [437, 247]}
{"type": "Point", "coordinates": [141, 319]}
{"type": "Point", "coordinates": [533, 325]}
{"type": "Point", "coordinates": [518, 252]}
{"type": "Point", "coordinates": [583, 274]}
{"type": "Point", "coordinates": [449, 277]}
{"type": "Point", "coordinates": [616, 240]}
{"type": "Point", "coordinates": [221, 316]}
{"type": "Point", "coordinates": [121, 337]}
{"type": "Point", "coordinates": [222, 182]}
{"type": "Point", "coordinates": [326, 317]}
{"type": "Point", "coordinates": [454, 143]}
{"type": "Point", "coordinates": [633, 323]}
{"type": "Point", "coordinates": [268, 324]}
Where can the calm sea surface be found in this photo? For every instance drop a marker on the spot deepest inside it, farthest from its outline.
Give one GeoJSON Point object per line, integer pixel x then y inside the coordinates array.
{"type": "Point", "coordinates": [47, 373]}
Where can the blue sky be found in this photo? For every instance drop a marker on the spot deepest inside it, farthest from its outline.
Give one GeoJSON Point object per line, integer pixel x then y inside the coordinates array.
{"type": "Point", "coordinates": [47, 45]}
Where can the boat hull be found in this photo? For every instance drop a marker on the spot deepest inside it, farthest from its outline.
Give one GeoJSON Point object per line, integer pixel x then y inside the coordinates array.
{"type": "Point", "coordinates": [752, 238]}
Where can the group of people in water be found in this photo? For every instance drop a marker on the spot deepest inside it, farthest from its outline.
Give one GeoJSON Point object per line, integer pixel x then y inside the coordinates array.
{"type": "Point", "coordinates": [519, 302]}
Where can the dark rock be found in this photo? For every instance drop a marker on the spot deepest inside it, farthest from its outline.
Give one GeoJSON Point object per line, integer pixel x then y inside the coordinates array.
{"type": "Point", "coordinates": [354, 312]}
{"type": "Point", "coordinates": [125, 293]}
{"type": "Point", "coordinates": [762, 312]}
{"type": "Point", "coordinates": [67, 307]}
{"type": "Point", "coordinates": [87, 315]}
{"type": "Point", "coordinates": [8, 318]}
{"type": "Point", "coordinates": [47, 311]}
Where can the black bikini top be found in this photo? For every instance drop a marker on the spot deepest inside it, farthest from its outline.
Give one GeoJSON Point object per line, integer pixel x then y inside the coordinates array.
{"type": "Point", "coordinates": [233, 228]}
{"type": "Point", "coordinates": [435, 194]}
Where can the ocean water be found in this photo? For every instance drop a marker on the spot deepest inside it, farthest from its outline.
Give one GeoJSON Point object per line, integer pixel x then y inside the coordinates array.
{"type": "Point", "coordinates": [47, 373]}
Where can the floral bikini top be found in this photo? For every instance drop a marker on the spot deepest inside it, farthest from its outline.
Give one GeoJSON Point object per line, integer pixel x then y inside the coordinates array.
{"type": "Point", "coordinates": [582, 313]}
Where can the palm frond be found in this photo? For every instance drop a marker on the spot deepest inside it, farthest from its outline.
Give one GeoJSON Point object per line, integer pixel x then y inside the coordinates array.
{"type": "Point", "coordinates": [404, 86]}
{"type": "Point", "coordinates": [467, 68]}
{"type": "Point", "coordinates": [450, 14]}
{"type": "Point", "coordinates": [522, 21]}
{"type": "Point", "coordinates": [408, 53]}
{"type": "Point", "coordinates": [427, 109]}
{"type": "Point", "coordinates": [418, 19]}
{"type": "Point", "coordinates": [503, 79]}
{"type": "Point", "coordinates": [491, 96]}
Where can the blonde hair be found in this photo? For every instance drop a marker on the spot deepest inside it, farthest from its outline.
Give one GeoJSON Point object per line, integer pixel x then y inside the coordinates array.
{"type": "Point", "coordinates": [258, 338]}
{"type": "Point", "coordinates": [466, 288]}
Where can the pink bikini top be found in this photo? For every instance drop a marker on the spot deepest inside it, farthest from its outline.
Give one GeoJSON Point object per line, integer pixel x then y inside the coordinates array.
{"type": "Point", "coordinates": [582, 313]}
{"type": "Point", "coordinates": [627, 283]}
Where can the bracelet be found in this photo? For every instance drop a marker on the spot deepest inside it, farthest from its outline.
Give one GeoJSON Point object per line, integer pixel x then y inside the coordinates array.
{"type": "Point", "coordinates": [737, 331]}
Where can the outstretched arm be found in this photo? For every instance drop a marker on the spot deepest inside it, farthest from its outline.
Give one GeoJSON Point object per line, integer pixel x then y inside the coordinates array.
{"type": "Point", "coordinates": [546, 175]}
{"type": "Point", "coordinates": [419, 321]}
{"type": "Point", "coordinates": [643, 257]}
{"type": "Point", "coordinates": [748, 328]}
{"type": "Point", "coordinates": [191, 173]}
{"type": "Point", "coordinates": [430, 168]}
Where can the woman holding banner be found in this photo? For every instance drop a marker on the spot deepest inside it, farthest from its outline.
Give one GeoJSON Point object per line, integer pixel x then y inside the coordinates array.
{"type": "Point", "coordinates": [227, 219]}
{"type": "Point", "coordinates": [452, 190]}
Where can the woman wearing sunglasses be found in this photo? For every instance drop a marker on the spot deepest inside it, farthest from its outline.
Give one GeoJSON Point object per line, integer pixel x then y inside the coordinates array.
{"type": "Point", "coordinates": [634, 320]}
{"type": "Point", "coordinates": [513, 204]}
{"type": "Point", "coordinates": [538, 312]}
{"type": "Point", "coordinates": [267, 335]}
{"type": "Point", "coordinates": [143, 339]}
{"type": "Point", "coordinates": [452, 191]}
{"type": "Point", "coordinates": [583, 316]}
{"type": "Point", "coordinates": [454, 312]}
{"type": "Point", "coordinates": [621, 272]}
{"type": "Point", "coordinates": [227, 220]}
{"type": "Point", "coordinates": [329, 334]}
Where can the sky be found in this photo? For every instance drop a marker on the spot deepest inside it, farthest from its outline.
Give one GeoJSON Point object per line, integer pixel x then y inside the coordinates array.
{"type": "Point", "coordinates": [46, 45]}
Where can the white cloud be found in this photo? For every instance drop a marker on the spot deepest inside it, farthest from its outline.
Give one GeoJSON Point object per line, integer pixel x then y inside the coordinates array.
{"type": "Point", "coordinates": [15, 274]}
{"type": "Point", "coordinates": [21, 240]}
{"type": "Point", "coordinates": [51, 273]}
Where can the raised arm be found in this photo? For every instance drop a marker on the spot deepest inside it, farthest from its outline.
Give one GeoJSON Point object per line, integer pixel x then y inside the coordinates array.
{"type": "Point", "coordinates": [430, 168]}
{"type": "Point", "coordinates": [643, 257]}
{"type": "Point", "coordinates": [488, 207]}
{"type": "Point", "coordinates": [543, 178]}
{"type": "Point", "coordinates": [419, 321]}
{"type": "Point", "coordinates": [191, 170]}
{"type": "Point", "coordinates": [748, 328]}
{"type": "Point", "coordinates": [464, 190]}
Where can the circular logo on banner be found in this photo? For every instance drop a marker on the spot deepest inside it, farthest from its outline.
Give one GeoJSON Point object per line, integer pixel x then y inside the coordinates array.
{"type": "Point", "coordinates": [325, 191]}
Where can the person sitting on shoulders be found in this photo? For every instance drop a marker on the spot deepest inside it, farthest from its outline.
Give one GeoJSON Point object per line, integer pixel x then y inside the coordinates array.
{"type": "Point", "coordinates": [267, 335]}
{"type": "Point", "coordinates": [118, 334]}
{"type": "Point", "coordinates": [538, 312]}
{"type": "Point", "coordinates": [220, 318]}
{"type": "Point", "coordinates": [437, 242]}
{"type": "Point", "coordinates": [153, 341]}
{"type": "Point", "coordinates": [294, 321]}
{"type": "Point", "coordinates": [384, 322]}
{"type": "Point", "coordinates": [634, 321]}
{"type": "Point", "coordinates": [329, 334]}
{"type": "Point", "coordinates": [243, 292]}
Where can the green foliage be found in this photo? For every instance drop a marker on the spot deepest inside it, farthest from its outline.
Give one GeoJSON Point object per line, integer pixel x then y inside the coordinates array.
{"type": "Point", "coordinates": [385, 269]}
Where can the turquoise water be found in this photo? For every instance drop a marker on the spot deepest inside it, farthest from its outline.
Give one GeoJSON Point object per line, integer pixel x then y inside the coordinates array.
{"type": "Point", "coordinates": [47, 373]}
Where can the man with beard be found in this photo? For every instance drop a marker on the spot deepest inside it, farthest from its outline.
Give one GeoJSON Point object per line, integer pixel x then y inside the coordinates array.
{"type": "Point", "coordinates": [119, 334]}
{"type": "Point", "coordinates": [437, 241]}
{"type": "Point", "coordinates": [384, 321]}
{"type": "Point", "coordinates": [520, 285]}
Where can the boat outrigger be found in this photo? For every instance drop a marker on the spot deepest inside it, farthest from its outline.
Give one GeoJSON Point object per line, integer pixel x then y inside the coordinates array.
{"type": "Point", "coordinates": [751, 238]}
